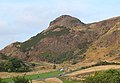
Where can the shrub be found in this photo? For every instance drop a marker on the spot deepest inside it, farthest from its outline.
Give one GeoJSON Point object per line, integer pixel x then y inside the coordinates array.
{"type": "Point", "coordinates": [1, 81]}
{"type": "Point", "coordinates": [108, 76]}
{"type": "Point", "coordinates": [33, 64]}
{"type": "Point", "coordinates": [54, 66]}
{"type": "Point", "coordinates": [74, 61]}
{"type": "Point", "coordinates": [2, 67]}
{"type": "Point", "coordinates": [14, 65]}
{"type": "Point", "coordinates": [8, 66]}
{"type": "Point", "coordinates": [21, 80]}
{"type": "Point", "coordinates": [16, 62]}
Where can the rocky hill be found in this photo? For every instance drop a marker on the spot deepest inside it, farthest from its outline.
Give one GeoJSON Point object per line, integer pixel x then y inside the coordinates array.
{"type": "Point", "coordinates": [69, 39]}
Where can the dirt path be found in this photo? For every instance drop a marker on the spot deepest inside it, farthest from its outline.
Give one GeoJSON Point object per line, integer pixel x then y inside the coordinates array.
{"type": "Point", "coordinates": [93, 69]}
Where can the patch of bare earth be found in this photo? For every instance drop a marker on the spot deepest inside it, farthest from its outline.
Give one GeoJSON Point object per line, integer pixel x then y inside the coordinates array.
{"type": "Point", "coordinates": [48, 80]}
{"type": "Point", "coordinates": [53, 80]}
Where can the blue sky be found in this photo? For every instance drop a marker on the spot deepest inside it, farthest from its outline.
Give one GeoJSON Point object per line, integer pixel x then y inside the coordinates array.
{"type": "Point", "coordinates": [22, 19]}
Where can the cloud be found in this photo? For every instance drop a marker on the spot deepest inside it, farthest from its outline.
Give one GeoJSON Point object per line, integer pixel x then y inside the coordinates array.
{"type": "Point", "coordinates": [3, 24]}
{"type": "Point", "coordinates": [21, 19]}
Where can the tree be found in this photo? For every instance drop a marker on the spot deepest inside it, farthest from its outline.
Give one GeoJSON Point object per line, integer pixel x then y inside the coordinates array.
{"type": "Point", "coordinates": [16, 62]}
{"type": "Point", "coordinates": [14, 65]}
{"type": "Point", "coordinates": [54, 66]}
{"type": "Point", "coordinates": [8, 66]}
{"type": "Point", "coordinates": [19, 79]}
{"type": "Point", "coordinates": [1, 81]}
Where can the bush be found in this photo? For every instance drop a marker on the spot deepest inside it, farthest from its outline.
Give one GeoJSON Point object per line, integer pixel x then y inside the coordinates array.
{"type": "Point", "coordinates": [1, 81]}
{"type": "Point", "coordinates": [14, 65]}
{"type": "Point", "coordinates": [54, 66]}
{"type": "Point", "coordinates": [74, 61]}
{"type": "Point", "coordinates": [21, 80]}
{"type": "Point", "coordinates": [33, 64]}
{"type": "Point", "coordinates": [108, 76]}
{"type": "Point", "coordinates": [16, 62]}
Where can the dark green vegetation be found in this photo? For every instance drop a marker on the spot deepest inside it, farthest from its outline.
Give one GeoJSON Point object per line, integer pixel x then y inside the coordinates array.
{"type": "Point", "coordinates": [25, 46]}
{"type": "Point", "coordinates": [1, 81]}
{"type": "Point", "coordinates": [19, 79]}
{"type": "Point", "coordinates": [14, 65]}
{"type": "Point", "coordinates": [54, 66]}
{"type": "Point", "coordinates": [108, 76]}
{"type": "Point", "coordinates": [37, 76]}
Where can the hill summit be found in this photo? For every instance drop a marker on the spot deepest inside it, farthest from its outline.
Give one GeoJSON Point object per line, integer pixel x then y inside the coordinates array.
{"type": "Point", "coordinates": [67, 21]}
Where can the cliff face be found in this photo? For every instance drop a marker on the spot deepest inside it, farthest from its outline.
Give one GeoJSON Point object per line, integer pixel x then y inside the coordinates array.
{"type": "Point", "coordinates": [68, 38]}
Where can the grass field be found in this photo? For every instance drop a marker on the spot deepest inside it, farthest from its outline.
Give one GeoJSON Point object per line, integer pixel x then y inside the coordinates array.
{"type": "Point", "coordinates": [37, 76]}
{"type": "Point", "coordinates": [42, 76]}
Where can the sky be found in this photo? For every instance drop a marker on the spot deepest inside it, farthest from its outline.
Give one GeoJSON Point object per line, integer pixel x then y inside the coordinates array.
{"type": "Point", "coordinates": [22, 19]}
